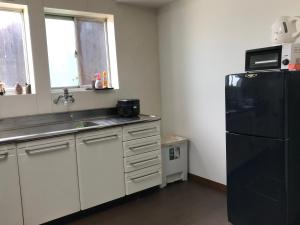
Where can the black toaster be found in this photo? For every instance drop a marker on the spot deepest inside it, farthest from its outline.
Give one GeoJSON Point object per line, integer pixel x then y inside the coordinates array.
{"type": "Point", "coordinates": [128, 107]}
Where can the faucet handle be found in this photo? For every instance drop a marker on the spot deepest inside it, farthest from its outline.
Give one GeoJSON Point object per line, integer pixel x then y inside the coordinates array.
{"type": "Point", "coordinates": [66, 91]}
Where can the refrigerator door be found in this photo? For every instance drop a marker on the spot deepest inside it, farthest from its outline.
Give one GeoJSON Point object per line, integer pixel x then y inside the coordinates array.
{"type": "Point", "coordinates": [255, 104]}
{"type": "Point", "coordinates": [255, 180]}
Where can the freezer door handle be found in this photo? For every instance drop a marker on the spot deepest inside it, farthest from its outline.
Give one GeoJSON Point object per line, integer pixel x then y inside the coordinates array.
{"type": "Point", "coordinates": [47, 149]}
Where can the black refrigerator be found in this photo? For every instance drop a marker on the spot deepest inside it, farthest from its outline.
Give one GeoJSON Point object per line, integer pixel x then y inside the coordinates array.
{"type": "Point", "coordinates": [263, 148]}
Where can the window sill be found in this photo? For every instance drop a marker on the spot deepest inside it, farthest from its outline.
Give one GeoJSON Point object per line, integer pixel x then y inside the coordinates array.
{"type": "Point", "coordinates": [13, 93]}
{"type": "Point", "coordinates": [81, 89]}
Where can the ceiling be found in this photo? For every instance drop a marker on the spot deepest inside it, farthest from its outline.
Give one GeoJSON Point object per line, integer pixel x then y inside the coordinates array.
{"type": "Point", "coordinates": [148, 3]}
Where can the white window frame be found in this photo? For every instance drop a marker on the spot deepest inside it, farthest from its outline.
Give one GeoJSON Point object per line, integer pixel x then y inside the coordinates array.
{"type": "Point", "coordinates": [110, 39]}
{"type": "Point", "coordinates": [70, 18]}
{"type": "Point", "coordinates": [29, 72]}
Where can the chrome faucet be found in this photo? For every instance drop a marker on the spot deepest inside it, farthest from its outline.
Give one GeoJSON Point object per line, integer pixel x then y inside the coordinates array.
{"type": "Point", "coordinates": [67, 98]}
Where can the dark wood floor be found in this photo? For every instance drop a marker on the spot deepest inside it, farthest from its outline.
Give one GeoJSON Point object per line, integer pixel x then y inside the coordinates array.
{"type": "Point", "coordinates": [186, 203]}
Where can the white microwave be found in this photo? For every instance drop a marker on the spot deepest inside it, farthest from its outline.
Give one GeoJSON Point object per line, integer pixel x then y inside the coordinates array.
{"type": "Point", "coordinates": [273, 58]}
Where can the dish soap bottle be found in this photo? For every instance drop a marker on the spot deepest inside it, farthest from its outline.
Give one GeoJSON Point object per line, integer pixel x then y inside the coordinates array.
{"type": "Point", "coordinates": [98, 83]}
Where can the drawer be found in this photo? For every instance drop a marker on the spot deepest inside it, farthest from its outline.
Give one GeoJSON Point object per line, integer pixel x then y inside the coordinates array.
{"type": "Point", "coordinates": [143, 179]}
{"type": "Point", "coordinates": [140, 146]}
{"type": "Point", "coordinates": [141, 161]}
{"type": "Point", "coordinates": [141, 130]}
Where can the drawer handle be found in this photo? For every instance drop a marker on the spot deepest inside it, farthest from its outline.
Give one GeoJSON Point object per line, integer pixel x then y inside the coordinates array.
{"type": "Point", "coordinates": [47, 149]}
{"type": "Point", "coordinates": [142, 147]}
{"type": "Point", "coordinates": [146, 177]}
{"type": "Point", "coordinates": [137, 132]}
{"type": "Point", "coordinates": [102, 139]}
{"type": "Point", "coordinates": [143, 162]}
{"type": "Point", "coordinates": [3, 155]}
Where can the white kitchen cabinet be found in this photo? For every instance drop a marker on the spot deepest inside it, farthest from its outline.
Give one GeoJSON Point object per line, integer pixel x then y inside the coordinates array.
{"type": "Point", "coordinates": [142, 156]}
{"type": "Point", "coordinates": [100, 166]}
{"type": "Point", "coordinates": [10, 199]}
{"type": "Point", "coordinates": [48, 178]}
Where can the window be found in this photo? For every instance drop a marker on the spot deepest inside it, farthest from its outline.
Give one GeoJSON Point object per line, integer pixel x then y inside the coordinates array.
{"type": "Point", "coordinates": [77, 50]}
{"type": "Point", "coordinates": [13, 54]}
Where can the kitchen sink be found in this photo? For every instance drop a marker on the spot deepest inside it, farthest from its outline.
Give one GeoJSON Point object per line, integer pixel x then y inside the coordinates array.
{"type": "Point", "coordinates": [114, 121]}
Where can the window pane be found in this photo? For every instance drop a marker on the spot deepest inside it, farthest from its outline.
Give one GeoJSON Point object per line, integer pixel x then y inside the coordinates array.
{"type": "Point", "coordinates": [92, 49]}
{"type": "Point", "coordinates": [61, 41]}
{"type": "Point", "coordinates": [12, 60]}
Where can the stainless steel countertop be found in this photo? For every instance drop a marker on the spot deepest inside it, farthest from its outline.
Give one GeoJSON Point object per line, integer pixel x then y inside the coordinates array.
{"type": "Point", "coordinates": [69, 127]}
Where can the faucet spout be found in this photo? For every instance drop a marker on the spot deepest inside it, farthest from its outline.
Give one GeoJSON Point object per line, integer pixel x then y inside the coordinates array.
{"type": "Point", "coordinates": [66, 98]}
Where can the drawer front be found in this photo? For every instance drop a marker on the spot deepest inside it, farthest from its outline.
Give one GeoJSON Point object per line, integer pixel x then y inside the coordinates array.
{"type": "Point", "coordinates": [143, 179]}
{"type": "Point", "coordinates": [143, 145]}
{"type": "Point", "coordinates": [141, 161]}
{"type": "Point", "coordinates": [142, 130]}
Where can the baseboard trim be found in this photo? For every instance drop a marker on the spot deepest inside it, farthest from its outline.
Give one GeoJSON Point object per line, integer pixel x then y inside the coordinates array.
{"type": "Point", "coordinates": [207, 182]}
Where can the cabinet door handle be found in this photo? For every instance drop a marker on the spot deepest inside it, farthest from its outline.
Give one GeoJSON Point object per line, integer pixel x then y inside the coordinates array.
{"type": "Point", "coordinates": [101, 139]}
{"type": "Point", "coordinates": [143, 162]}
{"type": "Point", "coordinates": [143, 147]}
{"type": "Point", "coordinates": [3, 155]}
{"type": "Point", "coordinates": [47, 149]}
{"type": "Point", "coordinates": [137, 132]}
{"type": "Point", "coordinates": [146, 177]}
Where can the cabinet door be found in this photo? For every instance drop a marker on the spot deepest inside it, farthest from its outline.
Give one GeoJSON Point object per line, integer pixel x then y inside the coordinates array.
{"type": "Point", "coordinates": [10, 199]}
{"type": "Point", "coordinates": [100, 167]}
{"type": "Point", "coordinates": [49, 180]}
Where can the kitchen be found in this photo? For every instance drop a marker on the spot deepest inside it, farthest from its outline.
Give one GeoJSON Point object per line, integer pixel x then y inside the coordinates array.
{"type": "Point", "coordinates": [173, 56]}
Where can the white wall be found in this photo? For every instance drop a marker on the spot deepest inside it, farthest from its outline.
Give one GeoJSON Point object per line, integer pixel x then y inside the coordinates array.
{"type": "Point", "coordinates": [200, 42]}
{"type": "Point", "coordinates": [137, 53]}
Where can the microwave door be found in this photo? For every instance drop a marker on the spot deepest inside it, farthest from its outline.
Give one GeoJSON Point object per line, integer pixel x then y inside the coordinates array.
{"type": "Point", "coordinates": [264, 59]}
{"type": "Point", "coordinates": [265, 62]}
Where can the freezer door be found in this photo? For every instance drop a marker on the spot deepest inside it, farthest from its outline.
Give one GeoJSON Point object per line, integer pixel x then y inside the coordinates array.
{"type": "Point", "coordinates": [255, 104]}
{"type": "Point", "coordinates": [255, 180]}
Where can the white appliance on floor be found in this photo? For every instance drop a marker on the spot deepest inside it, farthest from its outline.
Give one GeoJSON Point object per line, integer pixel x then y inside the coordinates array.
{"type": "Point", "coordinates": [175, 159]}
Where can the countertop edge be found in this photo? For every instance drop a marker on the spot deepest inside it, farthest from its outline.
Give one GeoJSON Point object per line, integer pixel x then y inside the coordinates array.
{"type": "Point", "coordinates": [25, 138]}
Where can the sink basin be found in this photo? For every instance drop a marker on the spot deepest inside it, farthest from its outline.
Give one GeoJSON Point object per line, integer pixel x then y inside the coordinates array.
{"type": "Point", "coordinates": [114, 121]}
{"type": "Point", "coordinates": [105, 122]}
{"type": "Point", "coordinates": [82, 124]}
